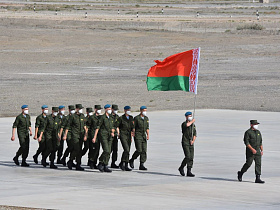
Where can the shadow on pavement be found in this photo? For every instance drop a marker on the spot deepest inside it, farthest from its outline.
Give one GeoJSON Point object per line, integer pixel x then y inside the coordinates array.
{"type": "Point", "coordinates": [221, 179]}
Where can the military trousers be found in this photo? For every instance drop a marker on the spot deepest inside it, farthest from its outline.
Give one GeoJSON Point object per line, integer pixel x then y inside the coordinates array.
{"type": "Point", "coordinates": [69, 148]}
{"type": "Point", "coordinates": [250, 157]}
{"type": "Point", "coordinates": [94, 149]}
{"type": "Point", "coordinates": [77, 143]}
{"type": "Point", "coordinates": [24, 143]}
{"type": "Point", "coordinates": [42, 147]}
{"type": "Point", "coordinates": [60, 149]}
{"type": "Point", "coordinates": [141, 148]}
{"type": "Point", "coordinates": [189, 155]}
{"type": "Point", "coordinates": [115, 149]}
{"type": "Point", "coordinates": [126, 144]}
{"type": "Point", "coordinates": [106, 143]}
{"type": "Point", "coordinates": [86, 147]}
{"type": "Point", "coordinates": [51, 144]}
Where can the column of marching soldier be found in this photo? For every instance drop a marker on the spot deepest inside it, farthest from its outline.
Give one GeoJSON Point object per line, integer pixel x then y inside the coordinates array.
{"type": "Point", "coordinates": [84, 133]}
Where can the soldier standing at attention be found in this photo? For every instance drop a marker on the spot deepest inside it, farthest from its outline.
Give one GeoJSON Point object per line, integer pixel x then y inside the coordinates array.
{"type": "Point", "coordinates": [106, 128]}
{"type": "Point", "coordinates": [125, 128]}
{"type": "Point", "coordinates": [141, 125]}
{"type": "Point", "coordinates": [62, 130]}
{"type": "Point", "coordinates": [61, 142]}
{"type": "Point", "coordinates": [51, 133]}
{"type": "Point", "coordinates": [23, 125]}
{"type": "Point", "coordinates": [78, 128]}
{"type": "Point", "coordinates": [40, 123]}
{"type": "Point", "coordinates": [89, 112]}
{"type": "Point", "coordinates": [254, 151]}
{"type": "Point", "coordinates": [115, 116]}
{"type": "Point", "coordinates": [188, 139]}
{"type": "Point", "coordinates": [94, 154]}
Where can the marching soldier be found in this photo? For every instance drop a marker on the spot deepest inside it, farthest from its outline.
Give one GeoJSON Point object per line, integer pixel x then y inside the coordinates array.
{"type": "Point", "coordinates": [61, 142]}
{"type": "Point", "coordinates": [141, 125]}
{"type": "Point", "coordinates": [89, 112]}
{"type": "Point", "coordinates": [94, 150]}
{"type": "Point", "coordinates": [188, 139]}
{"type": "Point", "coordinates": [115, 143]}
{"type": "Point", "coordinates": [106, 128]}
{"type": "Point", "coordinates": [40, 124]}
{"type": "Point", "coordinates": [62, 131]}
{"type": "Point", "coordinates": [92, 123]}
{"type": "Point", "coordinates": [51, 133]}
{"type": "Point", "coordinates": [254, 151]}
{"type": "Point", "coordinates": [23, 125]}
{"type": "Point", "coordinates": [78, 128]}
{"type": "Point", "coordinates": [125, 126]}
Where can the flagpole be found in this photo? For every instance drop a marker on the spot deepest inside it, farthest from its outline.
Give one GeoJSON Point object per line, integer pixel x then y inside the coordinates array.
{"type": "Point", "coordinates": [193, 115]}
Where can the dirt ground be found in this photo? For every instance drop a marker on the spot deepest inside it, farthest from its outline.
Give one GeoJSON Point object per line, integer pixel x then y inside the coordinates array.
{"type": "Point", "coordinates": [56, 55]}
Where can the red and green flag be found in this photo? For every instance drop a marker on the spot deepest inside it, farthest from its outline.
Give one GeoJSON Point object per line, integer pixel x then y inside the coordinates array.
{"type": "Point", "coordinates": [176, 72]}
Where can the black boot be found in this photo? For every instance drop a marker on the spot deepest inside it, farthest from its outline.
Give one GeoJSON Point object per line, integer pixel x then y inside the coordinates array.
{"type": "Point", "coordinates": [121, 165]}
{"type": "Point", "coordinates": [24, 164]}
{"type": "Point", "coordinates": [15, 159]}
{"type": "Point", "coordinates": [91, 165]}
{"type": "Point", "coordinates": [189, 173]}
{"type": "Point", "coordinates": [181, 170]}
{"type": "Point", "coordinates": [53, 166]}
{"type": "Point", "coordinates": [239, 176]}
{"type": "Point", "coordinates": [131, 163]}
{"type": "Point", "coordinates": [70, 164]}
{"type": "Point", "coordinates": [35, 158]}
{"type": "Point", "coordinates": [142, 167]}
{"type": "Point", "coordinates": [79, 168]}
{"type": "Point", "coordinates": [100, 167]}
{"type": "Point", "coordinates": [126, 167]}
{"type": "Point", "coordinates": [258, 179]}
{"type": "Point", "coordinates": [113, 165]}
{"type": "Point", "coordinates": [106, 169]}
{"type": "Point", "coordinates": [43, 162]}
{"type": "Point", "coordinates": [63, 161]}
{"type": "Point", "coordinates": [58, 161]}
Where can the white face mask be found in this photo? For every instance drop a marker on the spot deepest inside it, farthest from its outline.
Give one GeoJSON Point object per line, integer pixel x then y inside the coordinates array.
{"type": "Point", "coordinates": [128, 112]}
{"type": "Point", "coordinates": [55, 113]}
{"type": "Point", "coordinates": [72, 111]}
{"type": "Point", "coordinates": [115, 111]}
{"type": "Point", "coordinates": [62, 112]}
{"type": "Point", "coordinates": [190, 118]}
{"type": "Point", "coordinates": [256, 127]}
{"type": "Point", "coordinates": [46, 111]}
{"type": "Point", "coordinates": [25, 111]}
{"type": "Point", "coordinates": [98, 111]}
{"type": "Point", "coordinates": [80, 111]}
{"type": "Point", "coordinates": [109, 111]}
{"type": "Point", "coordinates": [90, 114]}
{"type": "Point", "coordinates": [144, 113]}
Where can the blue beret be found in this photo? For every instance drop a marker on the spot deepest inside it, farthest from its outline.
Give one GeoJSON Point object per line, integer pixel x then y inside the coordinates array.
{"type": "Point", "coordinates": [24, 106]}
{"type": "Point", "coordinates": [107, 106]}
{"type": "Point", "coordinates": [61, 107]}
{"type": "Point", "coordinates": [143, 107]}
{"type": "Point", "coordinates": [127, 108]}
{"type": "Point", "coordinates": [188, 113]}
{"type": "Point", "coordinates": [44, 107]}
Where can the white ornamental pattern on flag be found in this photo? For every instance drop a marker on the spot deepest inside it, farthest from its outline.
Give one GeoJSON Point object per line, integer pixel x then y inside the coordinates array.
{"type": "Point", "coordinates": [193, 78]}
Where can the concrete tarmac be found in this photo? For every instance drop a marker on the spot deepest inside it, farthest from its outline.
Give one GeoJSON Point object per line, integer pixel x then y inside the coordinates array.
{"type": "Point", "coordinates": [219, 154]}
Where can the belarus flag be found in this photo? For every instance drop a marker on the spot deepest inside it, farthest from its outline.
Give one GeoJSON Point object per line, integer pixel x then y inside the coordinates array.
{"type": "Point", "coordinates": [177, 72]}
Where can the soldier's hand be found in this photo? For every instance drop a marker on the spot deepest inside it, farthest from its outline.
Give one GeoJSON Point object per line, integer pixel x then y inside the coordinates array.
{"type": "Point", "coordinates": [39, 139]}
{"type": "Point", "coordinates": [112, 134]}
{"type": "Point", "coordinates": [13, 138]}
{"type": "Point", "coordinates": [30, 133]}
{"type": "Point", "coordinates": [261, 152]}
{"type": "Point", "coordinates": [148, 137]}
{"type": "Point", "coordinates": [35, 137]}
{"type": "Point", "coordinates": [64, 138]}
{"type": "Point", "coordinates": [85, 138]}
{"type": "Point", "coordinates": [254, 151]}
{"type": "Point", "coordinates": [93, 140]}
{"type": "Point", "coordinates": [191, 142]}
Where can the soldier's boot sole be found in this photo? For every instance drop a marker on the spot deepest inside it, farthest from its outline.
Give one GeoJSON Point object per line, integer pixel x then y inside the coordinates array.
{"type": "Point", "coordinates": [15, 159]}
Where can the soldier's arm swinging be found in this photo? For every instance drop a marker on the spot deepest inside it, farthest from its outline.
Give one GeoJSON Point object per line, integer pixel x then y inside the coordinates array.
{"type": "Point", "coordinates": [95, 135]}
{"type": "Point", "coordinates": [13, 134]}
{"type": "Point", "coordinates": [252, 149]}
{"type": "Point", "coordinates": [261, 147]}
{"type": "Point", "coordinates": [36, 133]}
{"type": "Point", "coordinates": [40, 137]}
{"type": "Point", "coordinates": [148, 134]}
{"type": "Point", "coordinates": [86, 133]}
{"type": "Point", "coordinates": [30, 131]}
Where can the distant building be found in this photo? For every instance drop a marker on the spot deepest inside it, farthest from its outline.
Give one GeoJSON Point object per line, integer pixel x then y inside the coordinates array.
{"type": "Point", "coordinates": [264, 1]}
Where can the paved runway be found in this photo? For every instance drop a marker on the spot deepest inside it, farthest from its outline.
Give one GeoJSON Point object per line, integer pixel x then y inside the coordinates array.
{"type": "Point", "coordinates": [219, 154]}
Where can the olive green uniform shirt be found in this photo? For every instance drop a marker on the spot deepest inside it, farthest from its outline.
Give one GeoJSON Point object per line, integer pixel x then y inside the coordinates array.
{"type": "Point", "coordinates": [22, 123]}
{"type": "Point", "coordinates": [125, 125]}
{"type": "Point", "coordinates": [92, 123]}
{"type": "Point", "coordinates": [76, 123]}
{"type": "Point", "coordinates": [188, 132]}
{"type": "Point", "coordinates": [105, 124]}
{"type": "Point", "coordinates": [52, 126]}
{"type": "Point", "coordinates": [141, 126]}
{"type": "Point", "coordinates": [40, 123]}
{"type": "Point", "coordinates": [253, 138]}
